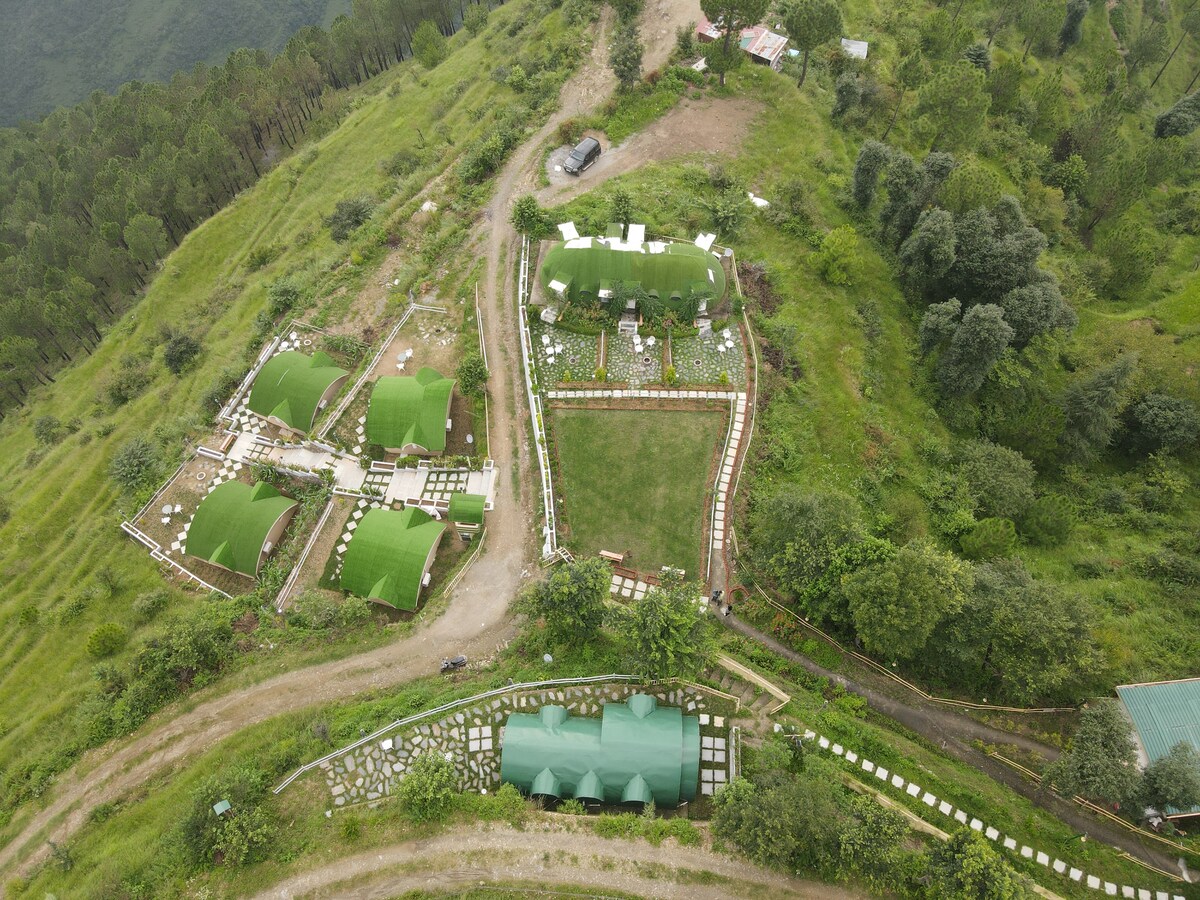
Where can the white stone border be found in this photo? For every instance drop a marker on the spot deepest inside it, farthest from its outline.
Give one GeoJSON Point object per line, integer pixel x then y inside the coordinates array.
{"type": "Point", "coordinates": [992, 834]}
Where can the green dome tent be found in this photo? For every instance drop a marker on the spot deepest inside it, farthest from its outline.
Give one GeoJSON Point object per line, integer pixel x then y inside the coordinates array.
{"type": "Point", "coordinates": [408, 414]}
{"type": "Point", "coordinates": [291, 387]}
{"type": "Point", "coordinates": [672, 270]}
{"type": "Point", "coordinates": [236, 525]}
{"type": "Point", "coordinates": [390, 553]}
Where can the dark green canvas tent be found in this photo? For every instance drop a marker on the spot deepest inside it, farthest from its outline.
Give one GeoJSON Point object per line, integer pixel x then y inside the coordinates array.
{"type": "Point", "coordinates": [673, 270]}
{"type": "Point", "coordinates": [390, 553]}
{"type": "Point", "coordinates": [407, 414]}
{"type": "Point", "coordinates": [235, 523]}
{"type": "Point", "coordinates": [291, 387]}
{"type": "Point", "coordinates": [637, 752]}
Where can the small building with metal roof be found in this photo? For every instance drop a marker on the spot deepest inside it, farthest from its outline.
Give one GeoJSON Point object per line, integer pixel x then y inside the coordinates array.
{"type": "Point", "coordinates": [1164, 713]}
{"type": "Point", "coordinates": [237, 525]}
{"type": "Point", "coordinates": [292, 386]}
{"type": "Point", "coordinates": [410, 415]}
{"type": "Point", "coordinates": [586, 268]}
{"type": "Point", "coordinates": [389, 556]}
{"type": "Point", "coordinates": [636, 752]}
{"type": "Point", "coordinates": [763, 46]}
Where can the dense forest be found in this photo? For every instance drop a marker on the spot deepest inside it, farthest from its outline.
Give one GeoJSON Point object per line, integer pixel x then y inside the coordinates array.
{"type": "Point", "coordinates": [57, 53]}
{"type": "Point", "coordinates": [1026, 171]}
{"type": "Point", "coordinates": [94, 195]}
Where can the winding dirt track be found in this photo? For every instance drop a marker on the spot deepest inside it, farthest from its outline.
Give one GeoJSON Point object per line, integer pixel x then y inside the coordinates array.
{"type": "Point", "coordinates": [475, 621]}
{"type": "Point", "coordinates": [467, 858]}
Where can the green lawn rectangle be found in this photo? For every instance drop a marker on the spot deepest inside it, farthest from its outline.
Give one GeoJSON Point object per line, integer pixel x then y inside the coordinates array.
{"type": "Point", "coordinates": [636, 481]}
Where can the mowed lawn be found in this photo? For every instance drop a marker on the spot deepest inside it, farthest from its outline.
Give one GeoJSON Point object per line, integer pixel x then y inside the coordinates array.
{"type": "Point", "coordinates": [633, 481]}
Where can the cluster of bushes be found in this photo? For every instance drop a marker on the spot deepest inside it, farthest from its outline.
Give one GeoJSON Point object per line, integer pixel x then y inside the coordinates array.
{"type": "Point", "coordinates": [792, 814]}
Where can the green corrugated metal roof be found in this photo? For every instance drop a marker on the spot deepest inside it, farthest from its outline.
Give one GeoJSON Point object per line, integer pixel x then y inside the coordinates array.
{"type": "Point", "coordinates": [467, 508]}
{"type": "Point", "coordinates": [290, 385]}
{"type": "Point", "coordinates": [1164, 714]}
{"type": "Point", "coordinates": [636, 751]}
{"type": "Point", "coordinates": [385, 560]}
{"type": "Point", "coordinates": [410, 410]}
{"type": "Point", "coordinates": [585, 262]}
{"type": "Point", "coordinates": [232, 523]}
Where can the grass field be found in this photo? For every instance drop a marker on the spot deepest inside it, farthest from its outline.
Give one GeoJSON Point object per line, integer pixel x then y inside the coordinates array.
{"type": "Point", "coordinates": [636, 481]}
{"type": "Point", "coordinates": [65, 565]}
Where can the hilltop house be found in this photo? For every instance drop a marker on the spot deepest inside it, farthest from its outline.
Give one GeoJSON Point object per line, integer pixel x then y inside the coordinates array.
{"type": "Point", "coordinates": [388, 558]}
{"type": "Point", "coordinates": [764, 46]}
{"type": "Point", "coordinates": [292, 387]}
{"type": "Point", "coordinates": [236, 526]}
{"type": "Point", "coordinates": [410, 415]}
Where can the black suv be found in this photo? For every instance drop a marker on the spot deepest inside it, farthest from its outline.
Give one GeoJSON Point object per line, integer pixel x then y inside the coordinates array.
{"type": "Point", "coordinates": [586, 153]}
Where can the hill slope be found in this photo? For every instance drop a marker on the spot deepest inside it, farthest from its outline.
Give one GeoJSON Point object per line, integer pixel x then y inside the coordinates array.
{"type": "Point", "coordinates": [56, 53]}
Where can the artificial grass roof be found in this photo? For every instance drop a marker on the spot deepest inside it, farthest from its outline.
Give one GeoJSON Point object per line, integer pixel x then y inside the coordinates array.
{"type": "Point", "coordinates": [232, 524]}
{"type": "Point", "coordinates": [467, 508]}
{"type": "Point", "coordinates": [385, 560]}
{"type": "Point", "coordinates": [410, 411]}
{"type": "Point", "coordinates": [291, 384]}
{"type": "Point", "coordinates": [668, 269]}
{"type": "Point", "coordinates": [637, 751]}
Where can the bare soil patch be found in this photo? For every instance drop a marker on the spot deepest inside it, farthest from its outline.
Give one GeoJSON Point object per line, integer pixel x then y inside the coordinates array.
{"type": "Point", "coordinates": [706, 126]}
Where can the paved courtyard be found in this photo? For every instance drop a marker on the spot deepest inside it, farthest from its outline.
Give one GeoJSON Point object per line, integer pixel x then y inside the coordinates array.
{"type": "Point", "coordinates": [562, 354]}
{"type": "Point", "coordinates": [703, 361]}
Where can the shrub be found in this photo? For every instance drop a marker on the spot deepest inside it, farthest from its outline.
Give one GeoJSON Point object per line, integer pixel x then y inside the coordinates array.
{"type": "Point", "coordinates": [428, 787]}
{"type": "Point", "coordinates": [989, 539]}
{"type": "Point", "coordinates": [135, 464]}
{"type": "Point", "coordinates": [476, 18]}
{"type": "Point", "coordinates": [1000, 479]}
{"type": "Point", "coordinates": [354, 611]}
{"type": "Point", "coordinates": [1047, 522]}
{"type": "Point", "coordinates": [150, 604]}
{"type": "Point", "coordinates": [261, 256]}
{"type": "Point", "coordinates": [179, 350]}
{"type": "Point", "coordinates": [429, 45]}
{"type": "Point", "coordinates": [529, 218]}
{"type": "Point", "coordinates": [239, 836]}
{"type": "Point", "coordinates": [600, 375]}
{"type": "Point", "coordinates": [572, 807]}
{"type": "Point", "coordinates": [838, 260]}
{"type": "Point", "coordinates": [669, 376]}
{"type": "Point", "coordinates": [132, 376]}
{"type": "Point", "coordinates": [107, 639]}
{"type": "Point", "coordinates": [348, 215]}
{"type": "Point", "coordinates": [472, 374]}
{"type": "Point", "coordinates": [47, 430]}
{"type": "Point", "coordinates": [1158, 422]}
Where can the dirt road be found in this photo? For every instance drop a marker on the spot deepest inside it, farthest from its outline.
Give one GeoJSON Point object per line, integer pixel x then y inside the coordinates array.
{"type": "Point", "coordinates": [709, 125]}
{"type": "Point", "coordinates": [475, 621]}
{"type": "Point", "coordinates": [468, 858]}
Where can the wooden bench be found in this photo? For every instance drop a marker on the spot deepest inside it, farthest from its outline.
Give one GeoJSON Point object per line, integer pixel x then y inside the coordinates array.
{"type": "Point", "coordinates": [612, 557]}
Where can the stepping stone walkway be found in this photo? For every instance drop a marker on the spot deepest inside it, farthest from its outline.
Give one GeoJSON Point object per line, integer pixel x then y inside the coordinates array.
{"type": "Point", "coordinates": [725, 476]}
{"type": "Point", "coordinates": [360, 510]}
{"type": "Point", "coordinates": [444, 484]}
{"type": "Point", "coordinates": [629, 588]}
{"type": "Point", "coordinates": [1009, 843]}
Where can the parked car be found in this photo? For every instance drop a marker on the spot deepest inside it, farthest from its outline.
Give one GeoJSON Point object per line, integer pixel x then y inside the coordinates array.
{"type": "Point", "coordinates": [585, 153]}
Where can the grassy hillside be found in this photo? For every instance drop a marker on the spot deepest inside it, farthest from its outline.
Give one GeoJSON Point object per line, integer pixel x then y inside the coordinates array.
{"type": "Point", "coordinates": [56, 53]}
{"type": "Point", "coordinates": [65, 565]}
{"type": "Point", "coordinates": [849, 404]}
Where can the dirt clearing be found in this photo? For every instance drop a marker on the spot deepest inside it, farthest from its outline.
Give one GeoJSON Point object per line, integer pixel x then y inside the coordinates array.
{"type": "Point", "coordinates": [708, 125]}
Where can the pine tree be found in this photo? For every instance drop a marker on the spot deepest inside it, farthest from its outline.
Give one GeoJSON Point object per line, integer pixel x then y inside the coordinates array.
{"type": "Point", "coordinates": [1092, 406]}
